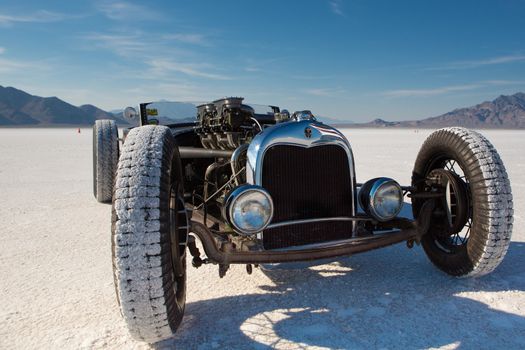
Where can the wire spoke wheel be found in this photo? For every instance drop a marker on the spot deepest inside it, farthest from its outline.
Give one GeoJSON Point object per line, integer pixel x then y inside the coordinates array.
{"type": "Point", "coordinates": [471, 224]}
{"type": "Point", "coordinates": [460, 238]}
{"type": "Point", "coordinates": [456, 206]}
{"type": "Point", "coordinates": [178, 221]}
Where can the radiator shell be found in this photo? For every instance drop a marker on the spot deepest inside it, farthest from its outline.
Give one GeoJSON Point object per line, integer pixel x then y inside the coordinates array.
{"type": "Point", "coordinates": [308, 168]}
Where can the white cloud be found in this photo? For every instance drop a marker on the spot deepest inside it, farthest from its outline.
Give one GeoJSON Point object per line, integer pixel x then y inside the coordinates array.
{"type": "Point", "coordinates": [137, 45]}
{"type": "Point", "coordinates": [9, 66]}
{"type": "Point", "coordinates": [182, 91]}
{"type": "Point", "coordinates": [499, 60]}
{"type": "Point", "coordinates": [448, 89]}
{"type": "Point", "coordinates": [41, 16]}
{"type": "Point", "coordinates": [153, 50]}
{"type": "Point", "coordinates": [324, 91]}
{"type": "Point", "coordinates": [429, 92]}
{"type": "Point", "coordinates": [337, 7]}
{"type": "Point", "coordinates": [479, 63]}
{"type": "Point", "coordinates": [124, 10]}
{"type": "Point", "coordinates": [121, 44]}
{"type": "Point", "coordinates": [313, 77]}
{"type": "Point", "coordinates": [2, 50]}
{"type": "Point", "coordinates": [504, 82]}
{"type": "Point", "coordinates": [163, 66]}
{"type": "Point", "coordinates": [267, 65]}
{"type": "Point", "coordinates": [18, 66]}
{"type": "Point", "coordinates": [188, 38]}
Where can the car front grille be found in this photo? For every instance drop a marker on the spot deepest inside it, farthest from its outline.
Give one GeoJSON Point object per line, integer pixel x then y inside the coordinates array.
{"type": "Point", "coordinates": [307, 183]}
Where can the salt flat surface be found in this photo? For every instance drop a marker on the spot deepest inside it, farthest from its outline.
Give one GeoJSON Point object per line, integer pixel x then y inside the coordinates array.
{"type": "Point", "coordinates": [56, 286]}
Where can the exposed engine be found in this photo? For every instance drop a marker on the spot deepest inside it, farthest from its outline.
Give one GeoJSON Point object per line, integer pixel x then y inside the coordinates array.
{"type": "Point", "coordinates": [226, 128]}
{"type": "Point", "coordinates": [227, 123]}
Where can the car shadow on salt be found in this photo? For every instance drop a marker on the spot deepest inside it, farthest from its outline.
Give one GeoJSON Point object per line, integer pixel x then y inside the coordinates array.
{"type": "Point", "coordinates": [389, 298]}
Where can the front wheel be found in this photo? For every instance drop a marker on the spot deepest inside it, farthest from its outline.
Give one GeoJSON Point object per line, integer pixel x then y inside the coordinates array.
{"type": "Point", "coordinates": [470, 228]}
{"type": "Point", "coordinates": [149, 231]}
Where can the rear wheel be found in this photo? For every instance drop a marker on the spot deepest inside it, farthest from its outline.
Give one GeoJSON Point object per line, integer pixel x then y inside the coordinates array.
{"type": "Point", "coordinates": [471, 226]}
{"type": "Point", "coordinates": [150, 227]}
{"type": "Point", "coordinates": [105, 158]}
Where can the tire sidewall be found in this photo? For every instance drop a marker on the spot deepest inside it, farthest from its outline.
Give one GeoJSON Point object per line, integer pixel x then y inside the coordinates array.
{"type": "Point", "coordinates": [447, 145]}
{"type": "Point", "coordinates": [105, 159]}
{"type": "Point", "coordinates": [95, 159]}
{"type": "Point", "coordinates": [170, 176]}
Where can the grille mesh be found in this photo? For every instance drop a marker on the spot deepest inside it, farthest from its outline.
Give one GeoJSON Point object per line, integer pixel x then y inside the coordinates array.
{"type": "Point", "coordinates": [307, 183]}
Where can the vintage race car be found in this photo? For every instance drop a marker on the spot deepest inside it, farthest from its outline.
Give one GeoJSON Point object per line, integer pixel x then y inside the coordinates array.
{"type": "Point", "coordinates": [260, 186]}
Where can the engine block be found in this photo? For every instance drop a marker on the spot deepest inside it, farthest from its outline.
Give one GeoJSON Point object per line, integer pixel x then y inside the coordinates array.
{"type": "Point", "coordinates": [227, 123]}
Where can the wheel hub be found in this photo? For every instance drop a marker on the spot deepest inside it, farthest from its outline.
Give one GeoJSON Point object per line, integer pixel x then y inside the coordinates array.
{"type": "Point", "coordinates": [453, 210]}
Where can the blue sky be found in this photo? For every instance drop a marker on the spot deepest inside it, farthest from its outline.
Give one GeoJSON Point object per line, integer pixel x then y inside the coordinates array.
{"type": "Point", "coordinates": [354, 60]}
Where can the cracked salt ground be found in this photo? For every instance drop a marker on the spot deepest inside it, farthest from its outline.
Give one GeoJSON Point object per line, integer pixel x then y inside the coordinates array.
{"type": "Point", "coordinates": [57, 285]}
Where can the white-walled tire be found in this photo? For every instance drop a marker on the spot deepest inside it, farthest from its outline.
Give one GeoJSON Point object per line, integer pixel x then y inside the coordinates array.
{"type": "Point", "coordinates": [149, 233]}
{"type": "Point", "coordinates": [479, 245]}
{"type": "Point", "coordinates": [105, 158]}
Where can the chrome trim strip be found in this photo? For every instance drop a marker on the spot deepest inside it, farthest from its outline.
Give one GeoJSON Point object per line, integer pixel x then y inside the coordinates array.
{"type": "Point", "coordinates": [308, 221]}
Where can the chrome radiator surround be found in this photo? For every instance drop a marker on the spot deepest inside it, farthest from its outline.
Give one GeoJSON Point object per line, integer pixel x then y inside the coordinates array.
{"type": "Point", "coordinates": [305, 134]}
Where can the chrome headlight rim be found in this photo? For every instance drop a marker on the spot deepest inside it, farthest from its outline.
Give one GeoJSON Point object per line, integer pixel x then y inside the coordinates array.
{"type": "Point", "coordinates": [235, 195]}
{"type": "Point", "coordinates": [369, 192]}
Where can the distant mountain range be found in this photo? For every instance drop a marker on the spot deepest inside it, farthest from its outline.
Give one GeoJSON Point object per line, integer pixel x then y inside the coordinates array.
{"type": "Point", "coordinates": [505, 112]}
{"type": "Point", "coordinates": [20, 108]}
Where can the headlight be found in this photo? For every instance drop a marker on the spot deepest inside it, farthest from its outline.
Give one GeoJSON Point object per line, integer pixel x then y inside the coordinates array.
{"type": "Point", "coordinates": [381, 198]}
{"type": "Point", "coordinates": [248, 208]}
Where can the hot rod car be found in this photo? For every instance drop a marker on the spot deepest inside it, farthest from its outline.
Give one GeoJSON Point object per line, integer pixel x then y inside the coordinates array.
{"type": "Point", "coordinates": [260, 186]}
